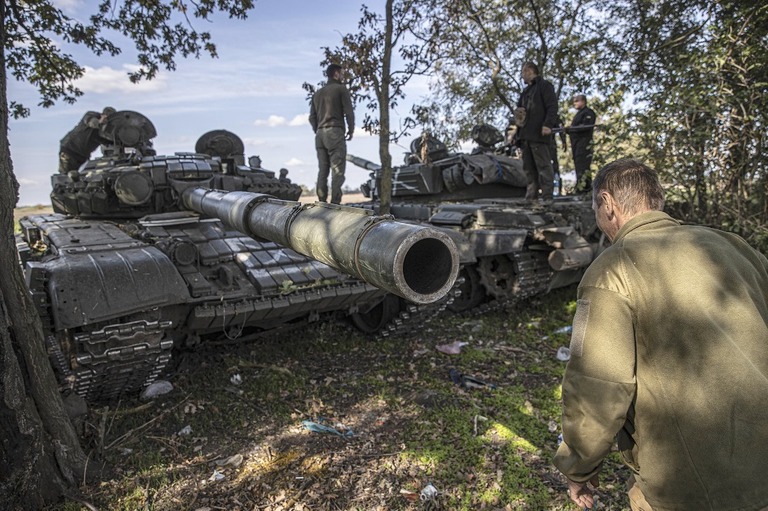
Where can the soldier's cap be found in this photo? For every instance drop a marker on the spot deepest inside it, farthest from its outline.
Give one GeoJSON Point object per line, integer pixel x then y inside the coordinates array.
{"type": "Point", "coordinates": [108, 111]}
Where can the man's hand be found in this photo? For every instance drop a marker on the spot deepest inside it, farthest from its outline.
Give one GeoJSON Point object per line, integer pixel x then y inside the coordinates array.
{"type": "Point", "coordinates": [581, 494]}
{"type": "Point", "coordinates": [349, 135]}
{"type": "Point", "coordinates": [546, 130]}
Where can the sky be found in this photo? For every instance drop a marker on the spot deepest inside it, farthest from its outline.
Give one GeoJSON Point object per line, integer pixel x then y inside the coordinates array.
{"type": "Point", "coordinates": [252, 89]}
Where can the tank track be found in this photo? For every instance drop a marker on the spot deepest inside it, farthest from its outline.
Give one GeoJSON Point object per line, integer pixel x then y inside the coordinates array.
{"type": "Point", "coordinates": [105, 364]}
{"type": "Point", "coordinates": [533, 277]}
{"type": "Point", "coordinates": [412, 318]}
{"type": "Point", "coordinates": [122, 358]}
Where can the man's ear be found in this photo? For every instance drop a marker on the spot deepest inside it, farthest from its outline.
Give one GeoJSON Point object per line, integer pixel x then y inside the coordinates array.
{"type": "Point", "coordinates": [605, 199]}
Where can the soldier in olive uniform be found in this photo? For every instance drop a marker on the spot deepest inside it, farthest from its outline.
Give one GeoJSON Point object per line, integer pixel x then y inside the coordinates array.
{"type": "Point", "coordinates": [331, 105]}
{"type": "Point", "coordinates": [77, 145]}
{"type": "Point", "coordinates": [669, 357]}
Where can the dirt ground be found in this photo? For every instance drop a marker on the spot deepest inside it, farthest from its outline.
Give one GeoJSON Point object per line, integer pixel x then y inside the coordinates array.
{"type": "Point", "coordinates": [324, 418]}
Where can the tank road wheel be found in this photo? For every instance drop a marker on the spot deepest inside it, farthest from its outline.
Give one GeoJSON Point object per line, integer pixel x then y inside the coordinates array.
{"type": "Point", "coordinates": [472, 291]}
{"type": "Point", "coordinates": [377, 317]}
{"type": "Point", "coordinates": [499, 276]}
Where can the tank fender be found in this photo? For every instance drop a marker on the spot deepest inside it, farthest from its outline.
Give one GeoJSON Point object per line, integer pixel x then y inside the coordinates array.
{"type": "Point", "coordinates": [490, 242]}
{"type": "Point", "coordinates": [94, 286]}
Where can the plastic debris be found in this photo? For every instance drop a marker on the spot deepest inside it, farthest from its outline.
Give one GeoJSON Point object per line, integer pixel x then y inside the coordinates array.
{"type": "Point", "coordinates": [186, 430]}
{"type": "Point", "coordinates": [552, 426]}
{"type": "Point", "coordinates": [428, 493]}
{"type": "Point", "coordinates": [563, 354]}
{"type": "Point", "coordinates": [564, 330]}
{"type": "Point", "coordinates": [467, 382]}
{"type": "Point", "coordinates": [479, 418]}
{"type": "Point", "coordinates": [217, 476]}
{"type": "Point", "coordinates": [235, 460]}
{"type": "Point", "coordinates": [236, 379]}
{"type": "Point", "coordinates": [453, 348]}
{"type": "Point", "coordinates": [317, 427]}
{"type": "Point", "coordinates": [157, 388]}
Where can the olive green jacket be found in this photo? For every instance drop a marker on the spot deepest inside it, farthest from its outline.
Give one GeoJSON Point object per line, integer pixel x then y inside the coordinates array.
{"type": "Point", "coordinates": [669, 356]}
{"type": "Point", "coordinates": [331, 106]}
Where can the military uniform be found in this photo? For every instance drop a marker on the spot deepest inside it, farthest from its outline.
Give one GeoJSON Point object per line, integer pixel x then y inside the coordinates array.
{"type": "Point", "coordinates": [540, 103]}
{"type": "Point", "coordinates": [77, 145]}
{"type": "Point", "coordinates": [669, 356]}
{"type": "Point", "coordinates": [330, 107]}
{"type": "Point", "coordinates": [581, 146]}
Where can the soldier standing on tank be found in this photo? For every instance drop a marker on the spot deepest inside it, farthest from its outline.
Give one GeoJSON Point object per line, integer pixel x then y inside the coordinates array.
{"type": "Point", "coordinates": [535, 116]}
{"type": "Point", "coordinates": [580, 132]}
{"type": "Point", "coordinates": [330, 107]}
{"type": "Point", "coordinates": [77, 145]}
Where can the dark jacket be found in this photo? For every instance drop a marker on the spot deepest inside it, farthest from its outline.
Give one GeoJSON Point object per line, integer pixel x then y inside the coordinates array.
{"type": "Point", "coordinates": [329, 107]}
{"type": "Point", "coordinates": [584, 117]}
{"type": "Point", "coordinates": [669, 353]}
{"type": "Point", "coordinates": [540, 103]}
{"type": "Point", "coordinates": [84, 138]}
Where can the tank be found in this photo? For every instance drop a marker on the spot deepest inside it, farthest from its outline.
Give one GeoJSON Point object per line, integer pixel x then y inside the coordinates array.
{"type": "Point", "coordinates": [510, 249]}
{"type": "Point", "coordinates": [145, 255]}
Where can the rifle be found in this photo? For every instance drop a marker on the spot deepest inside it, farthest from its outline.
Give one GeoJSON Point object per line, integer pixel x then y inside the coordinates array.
{"type": "Point", "coordinates": [572, 129]}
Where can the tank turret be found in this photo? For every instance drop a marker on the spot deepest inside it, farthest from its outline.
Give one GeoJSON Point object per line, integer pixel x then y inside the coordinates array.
{"type": "Point", "coordinates": [130, 181]}
{"type": "Point", "coordinates": [510, 249]}
{"type": "Point", "coordinates": [147, 254]}
{"type": "Point", "coordinates": [432, 173]}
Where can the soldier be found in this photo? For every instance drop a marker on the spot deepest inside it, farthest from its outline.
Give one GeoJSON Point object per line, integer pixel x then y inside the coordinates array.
{"type": "Point", "coordinates": [580, 132]}
{"type": "Point", "coordinates": [77, 145]}
{"type": "Point", "coordinates": [669, 357]}
{"type": "Point", "coordinates": [535, 116]}
{"type": "Point", "coordinates": [331, 105]}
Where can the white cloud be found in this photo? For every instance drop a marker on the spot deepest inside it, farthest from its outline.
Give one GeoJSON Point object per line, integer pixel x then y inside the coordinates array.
{"type": "Point", "coordinates": [294, 162]}
{"type": "Point", "coordinates": [299, 120]}
{"type": "Point", "coordinates": [27, 182]}
{"type": "Point", "coordinates": [272, 121]}
{"type": "Point", "coordinates": [109, 80]}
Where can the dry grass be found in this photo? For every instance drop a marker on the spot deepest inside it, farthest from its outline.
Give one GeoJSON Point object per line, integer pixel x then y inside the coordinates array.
{"type": "Point", "coordinates": [248, 448]}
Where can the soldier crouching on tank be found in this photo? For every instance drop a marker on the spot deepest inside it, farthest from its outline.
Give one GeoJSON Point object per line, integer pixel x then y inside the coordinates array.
{"type": "Point", "coordinates": [77, 145]}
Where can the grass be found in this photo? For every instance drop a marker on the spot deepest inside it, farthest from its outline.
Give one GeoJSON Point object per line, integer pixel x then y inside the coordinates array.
{"type": "Point", "coordinates": [481, 448]}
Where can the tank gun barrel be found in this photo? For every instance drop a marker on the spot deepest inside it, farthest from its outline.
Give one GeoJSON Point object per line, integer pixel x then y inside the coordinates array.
{"type": "Point", "coordinates": [363, 163]}
{"type": "Point", "coordinates": [415, 262]}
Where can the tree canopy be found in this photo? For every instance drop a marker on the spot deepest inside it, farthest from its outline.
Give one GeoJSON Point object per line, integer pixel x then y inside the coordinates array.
{"type": "Point", "coordinates": [41, 458]}
{"type": "Point", "coordinates": [160, 31]}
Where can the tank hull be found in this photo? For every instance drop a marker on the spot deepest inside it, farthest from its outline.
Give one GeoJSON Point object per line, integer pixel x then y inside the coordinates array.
{"type": "Point", "coordinates": [114, 307]}
{"type": "Point", "coordinates": [510, 249]}
{"type": "Point", "coordinates": [149, 254]}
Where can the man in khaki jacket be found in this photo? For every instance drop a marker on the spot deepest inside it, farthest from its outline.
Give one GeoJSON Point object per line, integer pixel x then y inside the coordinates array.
{"type": "Point", "coordinates": [669, 357]}
{"type": "Point", "coordinates": [330, 107]}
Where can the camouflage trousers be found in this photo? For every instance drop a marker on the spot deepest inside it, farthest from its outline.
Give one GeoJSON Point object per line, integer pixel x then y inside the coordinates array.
{"type": "Point", "coordinates": [331, 149]}
{"type": "Point", "coordinates": [537, 164]}
{"type": "Point", "coordinates": [68, 161]}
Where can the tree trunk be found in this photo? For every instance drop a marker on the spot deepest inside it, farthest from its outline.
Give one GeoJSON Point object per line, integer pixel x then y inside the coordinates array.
{"type": "Point", "coordinates": [385, 193]}
{"type": "Point", "coordinates": [40, 454]}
